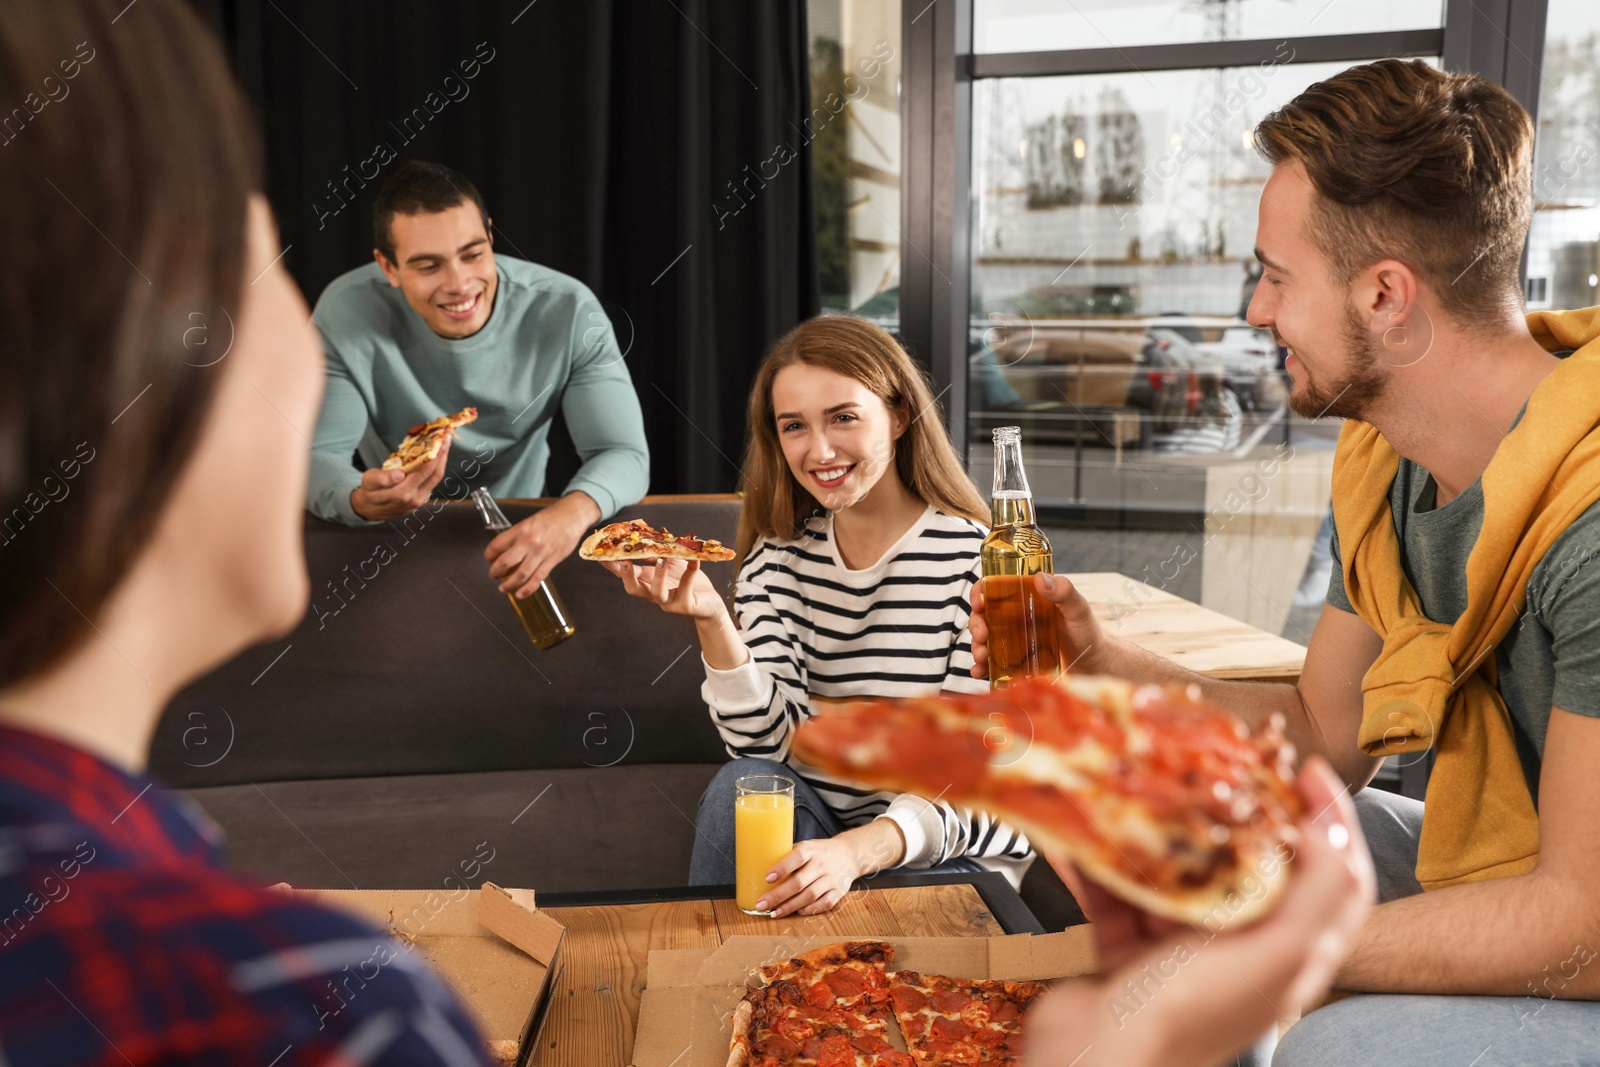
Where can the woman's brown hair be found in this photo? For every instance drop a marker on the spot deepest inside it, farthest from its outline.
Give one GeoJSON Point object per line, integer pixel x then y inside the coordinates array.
{"type": "Point", "coordinates": [127, 157]}
{"type": "Point", "coordinates": [1416, 164]}
{"type": "Point", "coordinates": [775, 504]}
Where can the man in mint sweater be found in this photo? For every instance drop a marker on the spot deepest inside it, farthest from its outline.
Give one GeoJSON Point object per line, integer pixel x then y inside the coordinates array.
{"type": "Point", "coordinates": [439, 323]}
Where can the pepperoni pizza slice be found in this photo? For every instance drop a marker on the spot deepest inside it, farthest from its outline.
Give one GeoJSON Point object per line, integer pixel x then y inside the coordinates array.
{"type": "Point", "coordinates": [423, 441]}
{"type": "Point", "coordinates": [638, 540]}
{"type": "Point", "coordinates": [961, 1020]}
{"type": "Point", "coordinates": [1165, 800]}
{"type": "Point", "coordinates": [824, 1008]}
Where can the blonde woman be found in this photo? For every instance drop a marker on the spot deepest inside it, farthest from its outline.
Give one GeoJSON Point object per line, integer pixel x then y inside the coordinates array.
{"type": "Point", "coordinates": [859, 545]}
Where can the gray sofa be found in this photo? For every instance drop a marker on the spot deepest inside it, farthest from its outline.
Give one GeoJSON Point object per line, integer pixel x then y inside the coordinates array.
{"type": "Point", "coordinates": [407, 732]}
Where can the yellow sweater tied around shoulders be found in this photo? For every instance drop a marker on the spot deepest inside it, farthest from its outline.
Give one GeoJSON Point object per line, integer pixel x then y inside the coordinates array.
{"type": "Point", "coordinates": [1435, 686]}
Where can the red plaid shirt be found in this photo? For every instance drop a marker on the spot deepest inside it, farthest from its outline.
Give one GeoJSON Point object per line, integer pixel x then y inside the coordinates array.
{"type": "Point", "coordinates": [123, 942]}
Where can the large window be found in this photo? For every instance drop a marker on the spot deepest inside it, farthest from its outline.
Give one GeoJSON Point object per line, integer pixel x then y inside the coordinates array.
{"type": "Point", "coordinates": [855, 96]}
{"type": "Point", "coordinates": [1111, 230]}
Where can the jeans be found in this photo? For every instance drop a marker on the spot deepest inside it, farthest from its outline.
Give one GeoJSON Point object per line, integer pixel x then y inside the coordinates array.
{"type": "Point", "coordinates": [712, 862]}
{"type": "Point", "coordinates": [1450, 1031]}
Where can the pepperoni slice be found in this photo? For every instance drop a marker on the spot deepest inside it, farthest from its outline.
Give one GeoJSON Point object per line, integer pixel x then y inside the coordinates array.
{"type": "Point", "coordinates": [949, 1001]}
{"type": "Point", "coordinates": [976, 1014]}
{"type": "Point", "coordinates": [963, 1053]}
{"type": "Point", "coordinates": [836, 1052]}
{"type": "Point", "coordinates": [950, 1029]}
{"type": "Point", "coordinates": [908, 998]}
{"type": "Point", "coordinates": [988, 1037]}
{"type": "Point", "coordinates": [846, 982]}
{"type": "Point", "coordinates": [780, 1048]}
{"type": "Point", "coordinates": [818, 995]}
{"type": "Point", "coordinates": [869, 1043]}
{"type": "Point", "coordinates": [1003, 1011]}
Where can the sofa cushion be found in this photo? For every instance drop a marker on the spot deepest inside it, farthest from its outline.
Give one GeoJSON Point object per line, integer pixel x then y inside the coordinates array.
{"type": "Point", "coordinates": [553, 831]}
{"type": "Point", "coordinates": [410, 661]}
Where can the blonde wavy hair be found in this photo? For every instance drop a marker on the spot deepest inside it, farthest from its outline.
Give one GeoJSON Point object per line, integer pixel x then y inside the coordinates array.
{"type": "Point", "coordinates": [775, 504]}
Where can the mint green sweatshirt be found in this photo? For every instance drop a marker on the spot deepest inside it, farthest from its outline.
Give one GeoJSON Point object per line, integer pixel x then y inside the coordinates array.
{"type": "Point", "coordinates": [547, 344]}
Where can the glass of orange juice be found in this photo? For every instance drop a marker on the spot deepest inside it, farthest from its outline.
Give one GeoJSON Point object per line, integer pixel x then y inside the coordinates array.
{"type": "Point", "coordinates": [763, 833]}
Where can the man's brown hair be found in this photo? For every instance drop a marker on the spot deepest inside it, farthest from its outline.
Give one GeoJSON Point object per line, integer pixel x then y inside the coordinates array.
{"type": "Point", "coordinates": [1415, 164]}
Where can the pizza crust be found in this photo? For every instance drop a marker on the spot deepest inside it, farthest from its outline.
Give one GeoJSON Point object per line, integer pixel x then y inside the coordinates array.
{"type": "Point", "coordinates": [743, 1023]}
{"type": "Point", "coordinates": [1222, 898]}
{"type": "Point", "coordinates": [872, 953]}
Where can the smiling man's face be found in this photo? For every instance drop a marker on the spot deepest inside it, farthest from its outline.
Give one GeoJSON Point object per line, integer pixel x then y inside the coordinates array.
{"type": "Point", "coordinates": [1334, 365]}
{"type": "Point", "coordinates": [444, 264]}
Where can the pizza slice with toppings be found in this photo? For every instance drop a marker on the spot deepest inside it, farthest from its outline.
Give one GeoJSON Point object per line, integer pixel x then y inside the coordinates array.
{"type": "Point", "coordinates": [961, 1020]}
{"type": "Point", "coordinates": [824, 1008]}
{"type": "Point", "coordinates": [1165, 800]}
{"type": "Point", "coordinates": [636, 539]}
{"type": "Point", "coordinates": [423, 441]}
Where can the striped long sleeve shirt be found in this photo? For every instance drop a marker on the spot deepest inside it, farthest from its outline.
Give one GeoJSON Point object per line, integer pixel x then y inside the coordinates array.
{"type": "Point", "coordinates": [818, 631]}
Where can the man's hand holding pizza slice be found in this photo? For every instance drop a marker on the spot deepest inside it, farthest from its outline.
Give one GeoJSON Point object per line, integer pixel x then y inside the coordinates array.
{"type": "Point", "coordinates": [393, 492]}
{"type": "Point", "coordinates": [406, 480]}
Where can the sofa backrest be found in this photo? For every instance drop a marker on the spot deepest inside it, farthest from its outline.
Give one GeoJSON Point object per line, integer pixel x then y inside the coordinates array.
{"type": "Point", "coordinates": [410, 661]}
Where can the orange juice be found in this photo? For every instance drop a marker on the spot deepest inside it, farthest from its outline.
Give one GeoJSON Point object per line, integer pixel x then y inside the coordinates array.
{"type": "Point", "coordinates": [763, 830]}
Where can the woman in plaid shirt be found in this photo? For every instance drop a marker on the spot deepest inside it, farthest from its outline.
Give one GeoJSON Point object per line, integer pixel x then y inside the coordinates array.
{"type": "Point", "coordinates": [150, 498]}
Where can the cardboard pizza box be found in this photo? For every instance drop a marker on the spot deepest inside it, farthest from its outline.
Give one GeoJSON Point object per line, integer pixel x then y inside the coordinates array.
{"type": "Point", "coordinates": [493, 946]}
{"type": "Point", "coordinates": [690, 994]}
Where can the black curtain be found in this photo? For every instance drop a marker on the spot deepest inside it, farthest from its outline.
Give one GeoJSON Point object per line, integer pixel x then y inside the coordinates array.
{"type": "Point", "coordinates": [654, 149]}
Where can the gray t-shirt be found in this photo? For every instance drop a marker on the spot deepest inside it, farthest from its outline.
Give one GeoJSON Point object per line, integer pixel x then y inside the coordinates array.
{"type": "Point", "coordinates": [1552, 654]}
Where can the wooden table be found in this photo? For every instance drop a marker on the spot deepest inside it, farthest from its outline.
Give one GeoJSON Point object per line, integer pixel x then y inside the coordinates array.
{"type": "Point", "coordinates": [1205, 641]}
{"type": "Point", "coordinates": [595, 1004]}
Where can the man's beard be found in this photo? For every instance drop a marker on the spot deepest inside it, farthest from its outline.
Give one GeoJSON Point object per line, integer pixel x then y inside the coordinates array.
{"type": "Point", "coordinates": [1353, 397]}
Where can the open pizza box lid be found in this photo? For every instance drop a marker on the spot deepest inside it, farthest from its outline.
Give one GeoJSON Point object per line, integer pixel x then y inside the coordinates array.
{"type": "Point", "coordinates": [690, 994]}
{"type": "Point", "coordinates": [493, 946]}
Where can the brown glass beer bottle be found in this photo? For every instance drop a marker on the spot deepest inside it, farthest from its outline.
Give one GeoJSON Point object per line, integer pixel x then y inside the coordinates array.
{"type": "Point", "coordinates": [1023, 625]}
{"type": "Point", "coordinates": [542, 613]}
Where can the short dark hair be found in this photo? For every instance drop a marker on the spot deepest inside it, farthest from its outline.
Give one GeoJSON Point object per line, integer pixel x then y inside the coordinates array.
{"type": "Point", "coordinates": [106, 403]}
{"type": "Point", "coordinates": [1431, 168]}
{"type": "Point", "coordinates": [418, 187]}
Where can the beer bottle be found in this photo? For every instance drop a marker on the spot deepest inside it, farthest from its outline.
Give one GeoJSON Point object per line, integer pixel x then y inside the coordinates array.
{"type": "Point", "coordinates": [1023, 625]}
{"type": "Point", "coordinates": [542, 613]}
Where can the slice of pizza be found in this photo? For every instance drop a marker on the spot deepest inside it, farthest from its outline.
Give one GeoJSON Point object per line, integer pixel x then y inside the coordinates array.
{"type": "Point", "coordinates": [961, 1020]}
{"type": "Point", "coordinates": [504, 1053]}
{"type": "Point", "coordinates": [424, 440]}
{"type": "Point", "coordinates": [824, 1008]}
{"type": "Point", "coordinates": [1165, 800]}
{"type": "Point", "coordinates": [636, 539]}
